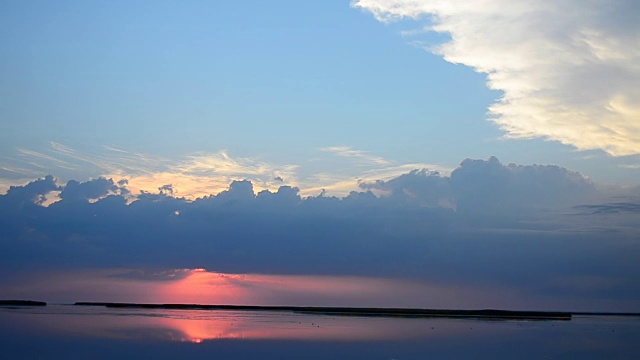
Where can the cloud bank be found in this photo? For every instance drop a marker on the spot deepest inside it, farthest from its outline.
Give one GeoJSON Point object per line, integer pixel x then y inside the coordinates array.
{"type": "Point", "coordinates": [568, 69]}
{"type": "Point", "coordinates": [336, 171]}
{"type": "Point", "coordinates": [534, 231]}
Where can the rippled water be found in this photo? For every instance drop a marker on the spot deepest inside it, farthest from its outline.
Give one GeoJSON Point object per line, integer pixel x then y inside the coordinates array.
{"type": "Point", "coordinates": [64, 332]}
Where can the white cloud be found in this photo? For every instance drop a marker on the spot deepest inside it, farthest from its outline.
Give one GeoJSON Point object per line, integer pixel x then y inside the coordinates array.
{"type": "Point", "coordinates": [569, 70]}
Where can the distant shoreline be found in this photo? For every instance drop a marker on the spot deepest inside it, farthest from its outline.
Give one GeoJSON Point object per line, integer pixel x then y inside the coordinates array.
{"type": "Point", "coordinates": [22, 303]}
{"type": "Point", "coordinates": [486, 314]}
{"type": "Point", "coordinates": [355, 311]}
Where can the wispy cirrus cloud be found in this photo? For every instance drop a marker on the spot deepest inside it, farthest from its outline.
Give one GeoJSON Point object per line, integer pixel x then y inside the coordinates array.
{"type": "Point", "coordinates": [203, 173]}
{"type": "Point", "coordinates": [38, 156]}
{"type": "Point", "coordinates": [348, 151]}
{"type": "Point", "coordinates": [341, 181]}
{"type": "Point", "coordinates": [192, 176]}
{"type": "Point", "coordinates": [568, 69]}
{"type": "Point", "coordinates": [199, 174]}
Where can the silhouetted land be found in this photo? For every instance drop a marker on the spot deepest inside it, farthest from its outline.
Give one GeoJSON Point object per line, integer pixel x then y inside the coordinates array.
{"type": "Point", "coordinates": [22, 303]}
{"type": "Point", "coordinates": [355, 311]}
{"type": "Point", "coordinates": [607, 313]}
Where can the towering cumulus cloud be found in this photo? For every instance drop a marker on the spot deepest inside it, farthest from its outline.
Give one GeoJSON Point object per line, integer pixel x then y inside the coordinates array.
{"type": "Point", "coordinates": [568, 69]}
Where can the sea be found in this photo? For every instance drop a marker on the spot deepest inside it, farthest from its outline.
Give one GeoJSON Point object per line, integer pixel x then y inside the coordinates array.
{"type": "Point", "coordinates": [94, 332]}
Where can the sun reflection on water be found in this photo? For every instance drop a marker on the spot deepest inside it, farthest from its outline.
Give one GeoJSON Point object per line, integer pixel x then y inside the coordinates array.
{"type": "Point", "coordinates": [198, 326]}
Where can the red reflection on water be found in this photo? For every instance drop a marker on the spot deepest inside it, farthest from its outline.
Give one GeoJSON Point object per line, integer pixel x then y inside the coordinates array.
{"type": "Point", "coordinates": [197, 326]}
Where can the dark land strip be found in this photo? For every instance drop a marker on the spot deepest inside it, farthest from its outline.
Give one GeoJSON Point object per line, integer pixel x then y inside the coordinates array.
{"type": "Point", "coordinates": [22, 303]}
{"type": "Point", "coordinates": [355, 311]}
{"type": "Point", "coordinates": [488, 314]}
{"type": "Point", "coordinates": [577, 313]}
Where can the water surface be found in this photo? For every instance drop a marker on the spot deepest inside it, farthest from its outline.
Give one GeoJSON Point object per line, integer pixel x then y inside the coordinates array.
{"type": "Point", "coordinates": [65, 331]}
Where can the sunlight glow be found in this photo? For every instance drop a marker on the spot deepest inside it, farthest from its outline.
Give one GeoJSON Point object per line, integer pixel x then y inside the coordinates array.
{"type": "Point", "coordinates": [199, 286]}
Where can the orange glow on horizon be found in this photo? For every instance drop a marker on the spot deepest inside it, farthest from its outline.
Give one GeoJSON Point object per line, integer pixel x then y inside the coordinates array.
{"type": "Point", "coordinates": [199, 286]}
{"type": "Point", "coordinates": [203, 287]}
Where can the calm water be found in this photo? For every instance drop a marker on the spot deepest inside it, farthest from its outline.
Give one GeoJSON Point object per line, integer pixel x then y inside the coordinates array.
{"type": "Point", "coordinates": [70, 332]}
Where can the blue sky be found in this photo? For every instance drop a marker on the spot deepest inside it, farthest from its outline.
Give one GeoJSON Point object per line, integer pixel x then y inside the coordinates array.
{"type": "Point", "coordinates": [289, 85]}
{"type": "Point", "coordinates": [492, 148]}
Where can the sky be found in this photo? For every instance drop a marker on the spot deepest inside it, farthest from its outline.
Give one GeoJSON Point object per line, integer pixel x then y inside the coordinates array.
{"type": "Point", "coordinates": [466, 154]}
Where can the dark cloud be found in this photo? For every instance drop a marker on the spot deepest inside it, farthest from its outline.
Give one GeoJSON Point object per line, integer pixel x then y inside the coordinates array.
{"type": "Point", "coordinates": [153, 275]}
{"type": "Point", "coordinates": [420, 186]}
{"type": "Point", "coordinates": [28, 195]}
{"type": "Point", "coordinates": [90, 190]}
{"type": "Point", "coordinates": [611, 208]}
{"type": "Point", "coordinates": [166, 189]}
{"type": "Point", "coordinates": [487, 186]}
{"type": "Point", "coordinates": [488, 223]}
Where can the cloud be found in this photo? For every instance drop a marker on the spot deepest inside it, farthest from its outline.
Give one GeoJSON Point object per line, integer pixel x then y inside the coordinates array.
{"type": "Point", "coordinates": [30, 194]}
{"type": "Point", "coordinates": [91, 190]}
{"type": "Point", "coordinates": [568, 70]}
{"type": "Point", "coordinates": [488, 186]}
{"type": "Point", "coordinates": [491, 185]}
{"type": "Point", "coordinates": [192, 176]}
{"type": "Point", "coordinates": [425, 187]}
{"type": "Point", "coordinates": [195, 175]}
{"type": "Point", "coordinates": [612, 208]}
{"type": "Point", "coordinates": [340, 182]}
{"type": "Point", "coordinates": [511, 228]}
{"type": "Point", "coordinates": [348, 151]}
{"type": "Point", "coordinates": [204, 173]}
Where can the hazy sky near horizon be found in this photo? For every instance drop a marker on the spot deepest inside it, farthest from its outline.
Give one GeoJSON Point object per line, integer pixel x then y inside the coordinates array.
{"type": "Point", "coordinates": [486, 152]}
{"type": "Point", "coordinates": [314, 95]}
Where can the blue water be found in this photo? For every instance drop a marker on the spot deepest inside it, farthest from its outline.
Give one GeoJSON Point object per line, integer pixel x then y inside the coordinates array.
{"type": "Point", "coordinates": [72, 332]}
